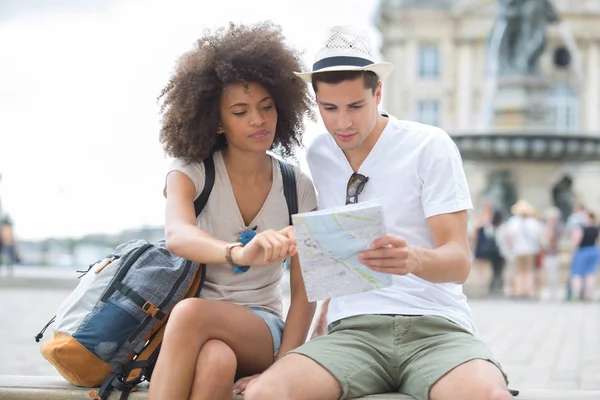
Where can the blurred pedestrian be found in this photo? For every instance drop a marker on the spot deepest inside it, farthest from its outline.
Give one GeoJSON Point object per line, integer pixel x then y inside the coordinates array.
{"type": "Point", "coordinates": [525, 235]}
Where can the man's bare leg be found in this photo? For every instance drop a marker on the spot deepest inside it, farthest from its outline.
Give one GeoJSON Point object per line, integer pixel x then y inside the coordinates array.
{"type": "Point", "coordinates": [475, 379]}
{"type": "Point", "coordinates": [288, 379]}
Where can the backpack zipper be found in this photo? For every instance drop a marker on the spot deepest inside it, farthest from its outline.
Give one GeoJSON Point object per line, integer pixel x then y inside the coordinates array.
{"type": "Point", "coordinates": [40, 335]}
{"type": "Point", "coordinates": [105, 263]}
{"type": "Point", "coordinates": [110, 259]}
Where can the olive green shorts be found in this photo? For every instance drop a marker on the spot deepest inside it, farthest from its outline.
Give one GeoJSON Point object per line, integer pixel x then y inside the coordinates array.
{"type": "Point", "coordinates": [370, 354]}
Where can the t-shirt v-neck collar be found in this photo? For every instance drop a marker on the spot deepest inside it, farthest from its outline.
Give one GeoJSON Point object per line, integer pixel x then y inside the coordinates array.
{"type": "Point", "coordinates": [377, 148]}
{"type": "Point", "coordinates": [219, 159]}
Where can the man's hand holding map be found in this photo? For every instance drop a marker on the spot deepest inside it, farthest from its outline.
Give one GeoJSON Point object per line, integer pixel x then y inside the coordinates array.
{"type": "Point", "coordinates": [329, 242]}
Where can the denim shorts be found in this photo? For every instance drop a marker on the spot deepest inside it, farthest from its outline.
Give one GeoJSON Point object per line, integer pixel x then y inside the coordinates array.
{"type": "Point", "coordinates": [275, 324]}
{"type": "Point", "coordinates": [585, 261]}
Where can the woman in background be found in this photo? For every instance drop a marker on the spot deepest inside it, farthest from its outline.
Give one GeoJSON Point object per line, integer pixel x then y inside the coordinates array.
{"type": "Point", "coordinates": [585, 259]}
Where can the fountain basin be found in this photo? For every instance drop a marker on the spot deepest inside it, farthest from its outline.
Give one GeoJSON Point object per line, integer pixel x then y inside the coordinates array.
{"type": "Point", "coordinates": [532, 146]}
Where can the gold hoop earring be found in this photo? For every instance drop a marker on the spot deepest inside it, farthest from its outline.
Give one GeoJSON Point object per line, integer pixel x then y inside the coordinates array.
{"type": "Point", "coordinates": [220, 131]}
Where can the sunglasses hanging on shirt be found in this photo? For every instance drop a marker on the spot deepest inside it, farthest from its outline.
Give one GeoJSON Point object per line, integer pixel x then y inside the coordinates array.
{"type": "Point", "coordinates": [356, 184]}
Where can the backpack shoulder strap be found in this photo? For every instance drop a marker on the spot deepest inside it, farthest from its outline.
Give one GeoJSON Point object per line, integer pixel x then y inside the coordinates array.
{"type": "Point", "coordinates": [209, 181]}
{"type": "Point", "coordinates": [289, 188]}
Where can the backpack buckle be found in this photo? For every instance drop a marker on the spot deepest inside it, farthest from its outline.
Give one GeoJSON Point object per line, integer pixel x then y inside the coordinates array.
{"type": "Point", "coordinates": [150, 309]}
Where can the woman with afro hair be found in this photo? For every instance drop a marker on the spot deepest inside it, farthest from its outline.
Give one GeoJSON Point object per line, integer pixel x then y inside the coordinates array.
{"type": "Point", "coordinates": [232, 98]}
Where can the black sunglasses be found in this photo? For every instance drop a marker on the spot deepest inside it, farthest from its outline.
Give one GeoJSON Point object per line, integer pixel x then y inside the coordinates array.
{"type": "Point", "coordinates": [356, 184]}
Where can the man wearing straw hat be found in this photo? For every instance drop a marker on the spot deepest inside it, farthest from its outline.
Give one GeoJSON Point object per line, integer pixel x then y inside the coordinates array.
{"type": "Point", "coordinates": [416, 337]}
{"type": "Point", "coordinates": [525, 237]}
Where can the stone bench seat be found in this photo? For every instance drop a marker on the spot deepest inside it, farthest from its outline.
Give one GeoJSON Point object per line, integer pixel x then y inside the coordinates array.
{"type": "Point", "coordinates": [55, 388]}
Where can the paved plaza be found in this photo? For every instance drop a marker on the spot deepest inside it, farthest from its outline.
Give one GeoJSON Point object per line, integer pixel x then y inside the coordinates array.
{"type": "Point", "coordinates": [541, 345]}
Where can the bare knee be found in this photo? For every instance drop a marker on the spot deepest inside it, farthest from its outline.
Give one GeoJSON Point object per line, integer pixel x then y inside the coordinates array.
{"type": "Point", "coordinates": [492, 391]}
{"type": "Point", "coordinates": [459, 383]}
{"type": "Point", "coordinates": [259, 389]}
{"type": "Point", "coordinates": [218, 357]}
{"type": "Point", "coordinates": [188, 314]}
{"type": "Point", "coordinates": [498, 393]}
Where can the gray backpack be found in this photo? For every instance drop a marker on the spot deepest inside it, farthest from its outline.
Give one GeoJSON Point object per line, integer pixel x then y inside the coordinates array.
{"type": "Point", "coordinates": [108, 331]}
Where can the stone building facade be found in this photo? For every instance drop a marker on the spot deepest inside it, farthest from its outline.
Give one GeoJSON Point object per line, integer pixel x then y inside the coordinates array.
{"type": "Point", "coordinates": [439, 48]}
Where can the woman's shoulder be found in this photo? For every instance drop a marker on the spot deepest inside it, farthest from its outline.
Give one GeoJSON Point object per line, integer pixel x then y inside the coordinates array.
{"type": "Point", "coordinates": [307, 198]}
{"type": "Point", "coordinates": [299, 175]}
{"type": "Point", "coordinates": [180, 163]}
{"type": "Point", "coordinates": [194, 170]}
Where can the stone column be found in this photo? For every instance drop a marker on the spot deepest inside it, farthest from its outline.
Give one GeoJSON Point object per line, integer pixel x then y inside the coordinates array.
{"type": "Point", "coordinates": [394, 86]}
{"type": "Point", "coordinates": [464, 90]}
{"type": "Point", "coordinates": [410, 77]}
{"type": "Point", "coordinates": [592, 101]}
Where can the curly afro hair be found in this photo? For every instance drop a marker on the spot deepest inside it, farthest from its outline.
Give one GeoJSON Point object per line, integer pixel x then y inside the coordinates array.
{"type": "Point", "coordinates": [237, 54]}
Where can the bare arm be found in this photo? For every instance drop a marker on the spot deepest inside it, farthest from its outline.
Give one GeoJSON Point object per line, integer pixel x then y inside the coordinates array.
{"type": "Point", "coordinates": [183, 236]}
{"type": "Point", "coordinates": [321, 324]}
{"type": "Point", "coordinates": [300, 314]}
{"type": "Point", "coordinates": [576, 237]}
{"type": "Point", "coordinates": [477, 223]}
{"type": "Point", "coordinates": [186, 240]}
{"type": "Point", "coordinates": [449, 261]}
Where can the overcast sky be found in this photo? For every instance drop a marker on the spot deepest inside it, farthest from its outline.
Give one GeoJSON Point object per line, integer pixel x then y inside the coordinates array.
{"type": "Point", "coordinates": [79, 150]}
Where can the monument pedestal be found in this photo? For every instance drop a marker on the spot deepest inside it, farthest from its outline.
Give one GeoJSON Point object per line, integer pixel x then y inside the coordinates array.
{"type": "Point", "coordinates": [520, 103]}
{"type": "Point", "coordinates": [531, 181]}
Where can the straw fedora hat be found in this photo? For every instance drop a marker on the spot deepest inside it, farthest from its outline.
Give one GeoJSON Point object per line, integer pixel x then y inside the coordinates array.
{"type": "Point", "coordinates": [347, 49]}
{"type": "Point", "coordinates": [523, 208]}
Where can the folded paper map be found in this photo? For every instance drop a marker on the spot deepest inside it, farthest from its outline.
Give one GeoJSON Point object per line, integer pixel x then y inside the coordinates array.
{"type": "Point", "coordinates": [328, 245]}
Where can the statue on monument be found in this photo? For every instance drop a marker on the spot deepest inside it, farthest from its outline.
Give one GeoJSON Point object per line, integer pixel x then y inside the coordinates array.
{"type": "Point", "coordinates": [500, 191]}
{"type": "Point", "coordinates": [521, 26]}
{"type": "Point", "coordinates": [563, 196]}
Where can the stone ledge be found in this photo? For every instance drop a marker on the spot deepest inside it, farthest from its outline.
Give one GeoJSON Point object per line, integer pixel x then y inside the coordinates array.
{"type": "Point", "coordinates": [55, 388]}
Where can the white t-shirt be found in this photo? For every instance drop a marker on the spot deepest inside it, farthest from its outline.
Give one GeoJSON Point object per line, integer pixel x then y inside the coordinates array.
{"type": "Point", "coordinates": [526, 235]}
{"type": "Point", "coordinates": [415, 171]}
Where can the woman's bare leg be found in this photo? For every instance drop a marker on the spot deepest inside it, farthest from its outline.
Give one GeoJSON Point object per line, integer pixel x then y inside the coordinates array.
{"type": "Point", "coordinates": [590, 286]}
{"type": "Point", "coordinates": [576, 286]}
{"type": "Point", "coordinates": [194, 322]}
{"type": "Point", "coordinates": [215, 372]}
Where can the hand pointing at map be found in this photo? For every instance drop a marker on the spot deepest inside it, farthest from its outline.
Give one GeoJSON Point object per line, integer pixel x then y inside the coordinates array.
{"type": "Point", "coordinates": [329, 242]}
{"type": "Point", "coordinates": [390, 254]}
